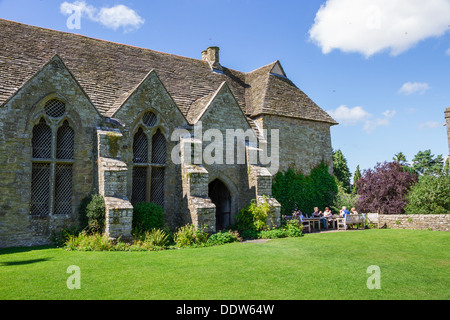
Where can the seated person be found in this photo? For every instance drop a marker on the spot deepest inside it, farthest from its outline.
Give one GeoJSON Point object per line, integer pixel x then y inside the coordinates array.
{"type": "Point", "coordinates": [327, 213]}
{"type": "Point", "coordinates": [316, 213]}
{"type": "Point", "coordinates": [344, 211]}
{"type": "Point", "coordinates": [302, 217]}
{"type": "Point", "coordinates": [353, 211]}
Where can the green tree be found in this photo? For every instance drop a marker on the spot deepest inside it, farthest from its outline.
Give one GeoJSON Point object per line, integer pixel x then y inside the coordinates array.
{"type": "Point", "coordinates": [400, 158]}
{"type": "Point", "coordinates": [295, 190]}
{"type": "Point", "coordinates": [340, 169]}
{"type": "Point", "coordinates": [356, 177]}
{"type": "Point", "coordinates": [429, 196]}
{"type": "Point", "coordinates": [426, 163]}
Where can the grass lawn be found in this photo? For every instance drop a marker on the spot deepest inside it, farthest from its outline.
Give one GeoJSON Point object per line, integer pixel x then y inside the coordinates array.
{"type": "Point", "coordinates": [414, 265]}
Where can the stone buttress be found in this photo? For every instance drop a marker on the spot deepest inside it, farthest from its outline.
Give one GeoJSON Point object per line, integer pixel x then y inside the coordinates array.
{"type": "Point", "coordinates": [112, 177]}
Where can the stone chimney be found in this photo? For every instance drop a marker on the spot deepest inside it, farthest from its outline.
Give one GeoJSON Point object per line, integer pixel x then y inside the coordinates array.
{"type": "Point", "coordinates": [211, 55]}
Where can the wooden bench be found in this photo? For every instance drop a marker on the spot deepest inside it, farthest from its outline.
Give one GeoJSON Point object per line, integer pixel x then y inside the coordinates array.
{"type": "Point", "coordinates": [351, 219]}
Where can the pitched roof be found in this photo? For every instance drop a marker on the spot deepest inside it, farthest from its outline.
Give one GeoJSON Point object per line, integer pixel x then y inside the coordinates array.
{"type": "Point", "coordinates": [109, 72]}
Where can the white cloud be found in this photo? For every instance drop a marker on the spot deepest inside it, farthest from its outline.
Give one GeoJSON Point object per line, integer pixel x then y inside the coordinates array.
{"type": "Point", "coordinates": [357, 115]}
{"type": "Point", "coordinates": [113, 18]}
{"type": "Point", "coordinates": [120, 16]}
{"type": "Point", "coordinates": [347, 116]}
{"type": "Point", "coordinates": [368, 26]}
{"type": "Point", "coordinates": [447, 52]}
{"type": "Point", "coordinates": [414, 87]}
{"type": "Point", "coordinates": [430, 125]}
{"type": "Point", "coordinates": [371, 124]}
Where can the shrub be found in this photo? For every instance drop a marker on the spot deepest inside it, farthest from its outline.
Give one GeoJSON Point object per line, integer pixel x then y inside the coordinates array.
{"type": "Point", "coordinates": [60, 237]}
{"type": "Point", "coordinates": [223, 237]}
{"type": "Point", "coordinates": [273, 234]}
{"type": "Point", "coordinates": [153, 238]}
{"type": "Point", "coordinates": [253, 216]}
{"type": "Point", "coordinates": [82, 211]}
{"type": "Point", "coordinates": [429, 196]}
{"type": "Point", "coordinates": [149, 241]}
{"type": "Point", "coordinates": [350, 200]}
{"type": "Point", "coordinates": [92, 213]}
{"type": "Point", "coordinates": [188, 235]}
{"type": "Point", "coordinates": [291, 228]}
{"type": "Point", "coordinates": [294, 228]}
{"type": "Point", "coordinates": [89, 242]}
{"type": "Point", "coordinates": [384, 188]}
{"type": "Point", "coordinates": [95, 213]}
{"type": "Point", "coordinates": [147, 216]}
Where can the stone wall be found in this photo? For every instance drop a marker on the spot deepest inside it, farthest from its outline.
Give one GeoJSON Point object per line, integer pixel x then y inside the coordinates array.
{"type": "Point", "coordinates": [303, 144]}
{"type": "Point", "coordinates": [17, 118]}
{"type": "Point", "coordinates": [439, 222]}
{"type": "Point", "coordinates": [151, 96]}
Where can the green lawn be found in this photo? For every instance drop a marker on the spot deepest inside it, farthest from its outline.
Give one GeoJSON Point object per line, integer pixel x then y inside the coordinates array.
{"type": "Point", "coordinates": [414, 265]}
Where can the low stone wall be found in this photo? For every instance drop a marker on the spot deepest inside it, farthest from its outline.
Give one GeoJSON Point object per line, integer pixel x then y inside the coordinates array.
{"type": "Point", "coordinates": [440, 222]}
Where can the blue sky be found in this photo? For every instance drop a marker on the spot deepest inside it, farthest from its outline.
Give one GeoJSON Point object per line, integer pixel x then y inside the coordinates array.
{"type": "Point", "coordinates": [380, 68]}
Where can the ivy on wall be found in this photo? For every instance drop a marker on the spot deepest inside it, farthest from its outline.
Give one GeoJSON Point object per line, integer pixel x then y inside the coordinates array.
{"type": "Point", "coordinates": [295, 190]}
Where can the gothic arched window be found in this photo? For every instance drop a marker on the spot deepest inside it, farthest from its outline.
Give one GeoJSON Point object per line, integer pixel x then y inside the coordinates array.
{"type": "Point", "coordinates": [148, 176]}
{"type": "Point", "coordinates": [52, 163]}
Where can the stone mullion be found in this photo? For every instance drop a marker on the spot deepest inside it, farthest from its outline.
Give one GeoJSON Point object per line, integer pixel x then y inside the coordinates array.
{"type": "Point", "coordinates": [149, 182]}
{"type": "Point", "coordinates": [53, 170]}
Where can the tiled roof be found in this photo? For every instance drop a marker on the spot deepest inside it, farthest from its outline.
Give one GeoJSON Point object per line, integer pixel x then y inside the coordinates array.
{"type": "Point", "coordinates": [109, 72]}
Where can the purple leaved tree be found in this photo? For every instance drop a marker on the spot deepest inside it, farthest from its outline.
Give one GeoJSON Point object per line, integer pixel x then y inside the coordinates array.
{"type": "Point", "coordinates": [384, 188]}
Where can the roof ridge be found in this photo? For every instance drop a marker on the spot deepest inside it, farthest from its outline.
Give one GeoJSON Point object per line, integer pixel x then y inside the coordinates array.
{"type": "Point", "coordinates": [109, 72]}
{"type": "Point", "coordinates": [102, 40]}
{"type": "Point", "coordinates": [265, 66]}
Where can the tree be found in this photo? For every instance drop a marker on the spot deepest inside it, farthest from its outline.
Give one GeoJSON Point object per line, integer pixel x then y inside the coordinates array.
{"type": "Point", "coordinates": [296, 190]}
{"type": "Point", "coordinates": [429, 196]}
{"type": "Point", "coordinates": [356, 177]}
{"type": "Point", "coordinates": [341, 171]}
{"type": "Point", "coordinates": [400, 158]}
{"type": "Point", "coordinates": [425, 163]}
{"type": "Point", "coordinates": [384, 188]}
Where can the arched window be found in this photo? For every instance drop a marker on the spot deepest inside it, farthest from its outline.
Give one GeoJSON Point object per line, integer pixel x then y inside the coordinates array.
{"type": "Point", "coordinates": [158, 163]}
{"type": "Point", "coordinates": [52, 163]}
{"type": "Point", "coordinates": [42, 140]}
{"type": "Point", "coordinates": [140, 168]}
{"type": "Point", "coordinates": [158, 148]}
{"type": "Point", "coordinates": [140, 147]}
{"type": "Point", "coordinates": [64, 142]}
{"type": "Point", "coordinates": [148, 176]}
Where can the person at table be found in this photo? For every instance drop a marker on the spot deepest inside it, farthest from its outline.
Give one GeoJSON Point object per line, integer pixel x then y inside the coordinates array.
{"type": "Point", "coordinates": [344, 212]}
{"type": "Point", "coordinates": [316, 213]}
{"type": "Point", "coordinates": [327, 213]}
{"type": "Point", "coordinates": [302, 217]}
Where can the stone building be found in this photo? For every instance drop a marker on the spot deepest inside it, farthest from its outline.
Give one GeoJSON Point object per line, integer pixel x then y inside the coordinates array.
{"type": "Point", "coordinates": [80, 115]}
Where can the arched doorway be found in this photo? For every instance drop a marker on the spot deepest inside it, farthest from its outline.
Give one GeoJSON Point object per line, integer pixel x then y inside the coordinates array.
{"type": "Point", "coordinates": [220, 196]}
